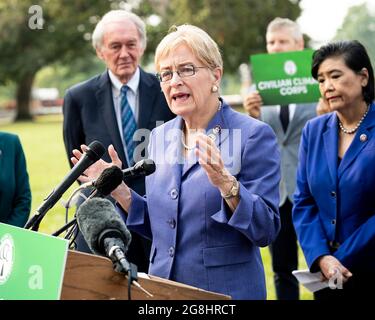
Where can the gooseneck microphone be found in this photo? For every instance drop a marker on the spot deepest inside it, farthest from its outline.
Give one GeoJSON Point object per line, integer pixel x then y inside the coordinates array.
{"type": "Point", "coordinates": [93, 153]}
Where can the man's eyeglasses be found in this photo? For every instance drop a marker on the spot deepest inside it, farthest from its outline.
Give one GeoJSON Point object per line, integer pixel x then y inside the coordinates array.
{"type": "Point", "coordinates": [183, 71]}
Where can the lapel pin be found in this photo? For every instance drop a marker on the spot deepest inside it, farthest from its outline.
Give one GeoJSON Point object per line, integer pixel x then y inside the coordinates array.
{"type": "Point", "coordinates": [363, 137]}
{"type": "Point", "coordinates": [215, 132]}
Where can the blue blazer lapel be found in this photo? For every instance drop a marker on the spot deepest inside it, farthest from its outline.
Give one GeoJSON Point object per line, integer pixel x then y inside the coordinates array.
{"type": "Point", "coordinates": [357, 145]}
{"type": "Point", "coordinates": [330, 147]}
{"type": "Point", "coordinates": [106, 109]}
{"type": "Point", "coordinates": [147, 94]}
{"type": "Point", "coordinates": [173, 151]}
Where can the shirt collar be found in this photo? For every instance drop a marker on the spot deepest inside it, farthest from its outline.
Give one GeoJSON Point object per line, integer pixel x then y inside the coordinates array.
{"type": "Point", "coordinates": [133, 83]}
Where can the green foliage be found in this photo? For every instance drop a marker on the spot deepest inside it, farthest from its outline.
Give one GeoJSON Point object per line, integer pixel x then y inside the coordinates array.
{"type": "Point", "coordinates": [64, 76]}
{"type": "Point", "coordinates": [359, 24]}
{"type": "Point", "coordinates": [25, 49]}
{"type": "Point", "coordinates": [238, 26]}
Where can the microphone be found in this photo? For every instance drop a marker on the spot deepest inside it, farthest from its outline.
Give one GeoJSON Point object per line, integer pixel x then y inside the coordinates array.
{"type": "Point", "coordinates": [94, 152]}
{"type": "Point", "coordinates": [112, 177]}
{"type": "Point", "coordinates": [141, 168]}
{"type": "Point", "coordinates": [104, 230]}
{"type": "Point", "coordinates": [107, 235]}
{"type": "Point", "coordinates": [108, 181]}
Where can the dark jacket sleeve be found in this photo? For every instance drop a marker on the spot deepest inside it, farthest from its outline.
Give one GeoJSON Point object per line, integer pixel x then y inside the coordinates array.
{"type": "Point", "coordinates": [72, 125]}
{"type": "Point", "coordinates": [22, 197]}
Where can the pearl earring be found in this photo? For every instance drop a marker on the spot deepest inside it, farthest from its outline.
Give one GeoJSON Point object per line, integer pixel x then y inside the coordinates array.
{"type": "Point", "coordinates": [214, 88]}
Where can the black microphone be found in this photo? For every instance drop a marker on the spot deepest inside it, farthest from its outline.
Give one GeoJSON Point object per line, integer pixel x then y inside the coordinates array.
{"type": "Point", "coordinates": [112, 177]}
{"type": "Point", "coordinates": [108, 181]}
{"type": "Point", "coordinates": [104, 230]}
{"type": "Point", "coordinates": [93, 153]}
{"type": "Point", "coordinates": [141, 168]}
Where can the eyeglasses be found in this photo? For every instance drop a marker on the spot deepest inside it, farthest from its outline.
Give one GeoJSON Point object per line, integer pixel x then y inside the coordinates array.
{"type": "Point", "coordinates": [183, 71]}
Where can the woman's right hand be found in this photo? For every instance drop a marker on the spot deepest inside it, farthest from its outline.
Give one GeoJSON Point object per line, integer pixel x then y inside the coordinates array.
{"type": "Point", "coordinates": [330, 267]}
{"type": "Point", "coordinates": [122, 192]}
{"type": "Point", "coordinates": [96, 168]}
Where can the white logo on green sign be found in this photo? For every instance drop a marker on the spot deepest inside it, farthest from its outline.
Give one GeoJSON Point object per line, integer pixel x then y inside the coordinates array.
{"type": "Point", "coordinates": [290, 67]}
{"type": "Point", "coordinates": [6, 257]}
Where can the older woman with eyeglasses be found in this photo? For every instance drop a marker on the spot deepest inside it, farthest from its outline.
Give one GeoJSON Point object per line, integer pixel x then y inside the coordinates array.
{"type": "Point", "coordinates": [213, 199]}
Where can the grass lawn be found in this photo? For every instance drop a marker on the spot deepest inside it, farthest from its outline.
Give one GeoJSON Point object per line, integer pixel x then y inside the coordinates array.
{"type": "Point", "coordinates": [47, 165]}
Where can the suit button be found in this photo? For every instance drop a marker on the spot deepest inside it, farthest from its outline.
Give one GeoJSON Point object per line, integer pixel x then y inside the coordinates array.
{"type": "Point", "coordinates": [333, 194]}
{"type": "Point", "coordinates": [172, 223]}
{"type": "Point", "coordinates": [333, 221]}
{"type": "Point", "coordinates": [174, 194]}
{"type": "Point", "coordinates": [171, 252]}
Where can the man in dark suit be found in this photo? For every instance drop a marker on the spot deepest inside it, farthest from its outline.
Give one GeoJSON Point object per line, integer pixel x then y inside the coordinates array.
{"type": "Point", "coordinates": [111, 107]}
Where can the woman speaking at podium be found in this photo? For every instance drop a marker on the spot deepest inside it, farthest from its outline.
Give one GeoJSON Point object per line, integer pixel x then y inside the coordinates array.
{"type": "Point", "coordinates": [213, 199]}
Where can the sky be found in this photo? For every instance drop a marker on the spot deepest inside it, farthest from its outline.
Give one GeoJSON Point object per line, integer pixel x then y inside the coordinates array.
{"type": "Point", "coordinates": [320, 19]}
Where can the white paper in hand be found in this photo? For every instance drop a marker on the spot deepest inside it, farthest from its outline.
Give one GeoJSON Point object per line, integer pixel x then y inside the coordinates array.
{"type": "Point", "coordinates": [311, 281]}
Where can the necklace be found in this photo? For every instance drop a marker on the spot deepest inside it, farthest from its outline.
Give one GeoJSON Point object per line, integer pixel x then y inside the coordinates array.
{"type": "Point", "coordinates": [183, 142]}
{"type": "Point", "coordinates": [351, 131]}
{"type": "Point", "coordinates": [183, 129]}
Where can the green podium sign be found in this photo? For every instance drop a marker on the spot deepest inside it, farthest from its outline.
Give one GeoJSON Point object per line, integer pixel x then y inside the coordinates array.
{"type": "Point", "coordinates": [31, 264]}
{"type": "Point", "coordinates": [283, 78]}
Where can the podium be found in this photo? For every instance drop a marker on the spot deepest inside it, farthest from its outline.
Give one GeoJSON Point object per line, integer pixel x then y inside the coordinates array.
{"type": "Point", "coordinates": [90, 277]}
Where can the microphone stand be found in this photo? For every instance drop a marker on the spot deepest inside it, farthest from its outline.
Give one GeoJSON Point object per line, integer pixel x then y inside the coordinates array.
{"type": "Point", "coordinates": [65, 227]}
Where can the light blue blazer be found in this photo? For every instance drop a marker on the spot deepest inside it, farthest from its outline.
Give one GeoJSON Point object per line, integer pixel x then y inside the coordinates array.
{"type": "Point", "coordinates": [337, 202]}
{"type": "Point", "coordinates": [196, 240]}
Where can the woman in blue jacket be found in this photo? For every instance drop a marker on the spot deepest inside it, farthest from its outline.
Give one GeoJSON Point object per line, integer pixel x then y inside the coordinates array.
{"type": "Point", "coordinates": [334, 210]}
{"type": "Point", "coordinates": [213, 199]}
{"type": "Point", "coordinates": [15, 195]}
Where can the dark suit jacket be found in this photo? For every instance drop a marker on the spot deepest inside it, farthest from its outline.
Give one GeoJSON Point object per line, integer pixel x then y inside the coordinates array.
{"type": "Point", "coordinates": [15, 194]}
{"type": "Point", "coordinates": [89, 115]}
{"type": "Point", "coordinates": [335, 201]}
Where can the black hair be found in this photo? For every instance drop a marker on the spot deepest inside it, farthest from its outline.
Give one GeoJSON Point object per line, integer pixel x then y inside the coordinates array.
{"type": "Point", "coordinates": [355, 57]}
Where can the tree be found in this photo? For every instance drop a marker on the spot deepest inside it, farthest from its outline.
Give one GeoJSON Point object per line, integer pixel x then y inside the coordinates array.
{"type": "Point", "coordinates": [34, 36]}
{"type": "Point", "coordinates": [238, 26]}
{"type": "Point", "coordinates": [359, 25]}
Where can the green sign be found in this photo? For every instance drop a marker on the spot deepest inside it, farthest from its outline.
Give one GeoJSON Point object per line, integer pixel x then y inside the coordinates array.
{"type": "Point", "coordinates": [31, 264]}
{"type": "Point", "coordinates": [283, 78]}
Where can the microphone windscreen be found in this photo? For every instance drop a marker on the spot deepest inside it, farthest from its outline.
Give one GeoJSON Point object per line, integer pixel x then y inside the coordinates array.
{"type": "Point", "coordinates": [109, 180]}
{"type": "Point", "coordinates": [97, 215]}
{"type": "Point", "coordinates": [95, 150]}
{"type": "Point", "coordinates": [145, 167]}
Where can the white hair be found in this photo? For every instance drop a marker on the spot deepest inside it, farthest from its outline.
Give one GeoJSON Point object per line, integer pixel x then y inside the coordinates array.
{"type": "Point", "coordinates": [118, 16]}
{"type": "Point", "coordinates": [281, 23]}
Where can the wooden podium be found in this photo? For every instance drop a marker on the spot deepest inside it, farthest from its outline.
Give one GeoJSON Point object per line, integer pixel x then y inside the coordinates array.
{"type": "Point", "coordinates": [90, 277]}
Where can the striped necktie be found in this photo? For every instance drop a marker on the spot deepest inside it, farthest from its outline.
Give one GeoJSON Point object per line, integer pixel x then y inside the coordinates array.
{"type": "Point", "coordinates": [129, 126]}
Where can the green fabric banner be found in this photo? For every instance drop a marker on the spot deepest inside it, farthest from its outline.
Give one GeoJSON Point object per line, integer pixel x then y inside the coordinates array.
{"type": "Point", "coordinates": [32, 264]}
{"type": "Point", "coordinates": [283, 78]}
